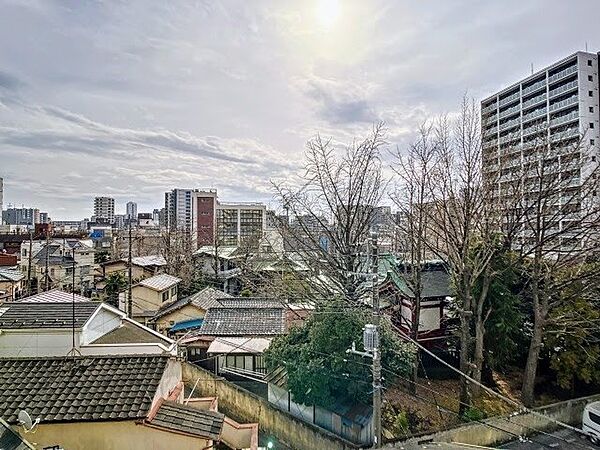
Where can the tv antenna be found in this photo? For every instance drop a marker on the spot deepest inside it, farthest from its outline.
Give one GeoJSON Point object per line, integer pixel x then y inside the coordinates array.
{"type": "Point", "coordinates": [25, 419]}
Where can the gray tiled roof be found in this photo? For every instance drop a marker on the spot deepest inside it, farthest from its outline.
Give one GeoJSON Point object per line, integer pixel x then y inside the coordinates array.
{"type": "Point", "coordinates": [190, 420]}
{"type": "Point", "coordinates": [54, 296]}
{"type": "Point", "coordinates": [248, 302]}
{"type": "Point", "coordinates": [160, 282]}
{"type": "Point", "coordinates": [91, 388]}
{"type": "Point", "coordinates": [204, 299]}
{"type": "Point", "coordinates": [243, 322]}
{"type": "Point", "coordinates": [45, 315]}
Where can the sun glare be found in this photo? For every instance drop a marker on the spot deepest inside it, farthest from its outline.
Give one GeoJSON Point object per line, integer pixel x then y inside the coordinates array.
{"type": "Point", "coordinates": [327, 12]}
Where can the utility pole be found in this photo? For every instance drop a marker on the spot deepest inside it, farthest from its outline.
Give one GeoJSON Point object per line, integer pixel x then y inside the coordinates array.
{"type": "Point", "coordinates": [129, 276]}
{"type": "Point", "coordinates": [29, 263]}
{"type": "Point", "coordinates": [371, 340]}
{"type": "Point", "coordinates": [376, 351]}
{"type": "Point", "coordinates": [47, 275]}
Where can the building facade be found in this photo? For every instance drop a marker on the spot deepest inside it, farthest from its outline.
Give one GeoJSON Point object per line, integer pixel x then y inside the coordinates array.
{"type": "Point", "coordinates": [204, 215]}
{"type": "Point", "coordinates": [131, 210]}
{"type": "Point", "coordinates": [178, 209]}
{"type": "Point", "coordinates": [104, 209]}
{"type": "Point", "coordinates": [552, 117]}
{"type": "Point", "coordinates": [238, 223]}
{"type": "Point", "coordinates": [1, 200]}
{"type": "Point", "coordinates": [21, 216]}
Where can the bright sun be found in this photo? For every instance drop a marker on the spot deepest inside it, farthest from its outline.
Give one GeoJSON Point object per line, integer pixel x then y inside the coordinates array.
{"type": "Point", "coordinates": [327, 12]}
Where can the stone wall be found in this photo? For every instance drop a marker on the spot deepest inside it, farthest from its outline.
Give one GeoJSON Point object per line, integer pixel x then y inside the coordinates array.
{"type": "Point", "coordinates": [246, 407]}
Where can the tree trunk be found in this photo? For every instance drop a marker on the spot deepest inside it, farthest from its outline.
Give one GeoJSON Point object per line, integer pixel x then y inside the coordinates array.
{"type": "Point", "coordinates": [465, 339]}
{"type": "Point", "coordinates": [480, 332]}
{"type": "Point", "coordinates": [416, 318]}
{"type": "Point", "coordinates": [539, 320]}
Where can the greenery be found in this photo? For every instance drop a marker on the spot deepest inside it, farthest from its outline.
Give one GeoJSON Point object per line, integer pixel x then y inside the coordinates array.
{"type": "Point", "coordinates": [115, 283]}
{"type": "Point", "coordinates": [101, 256]}
{"type": "Point", "coordinates": [473, 415]}
{"type": "Point", "coordinates": [320, 371]}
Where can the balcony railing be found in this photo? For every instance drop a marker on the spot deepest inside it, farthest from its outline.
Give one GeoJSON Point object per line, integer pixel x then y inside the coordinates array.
{"type": "Point", "coordinates": [534, 87]}
{"type": "Point", "coordinates": [509, 99]}
{"type": "Point", "coordinates": [534, 100]}
{"type": "Point", "coordinates": [571, 132]}
{"type": "Point", "coordinates": [564, 119]}
{"type": "Point", "coordinates": [563, 73]}
{"type": "Point", "coordinates": [491, 131]}
{"type": "Point", "coordinates": [564, 88]}
{"type": "Point", "coordinates": [564, 103]}
{"type": "Point", "coordinates": [510, 124]}
{"type": "Point", "coordinates": [534, 129]}
{"type": "Point", "coordinates": [489, 108]}
{"type": "Point", "coordinates": [509, 111]}
{"type": "Point", "coordinates": [535, 114]}
{"type": "Point", "coordinates": [509, 137]}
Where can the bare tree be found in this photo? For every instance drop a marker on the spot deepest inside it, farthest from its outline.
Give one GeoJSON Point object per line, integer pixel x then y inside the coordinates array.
{"type": "Point", "coordinates": [331, 213]}
{"type": "Point", "coordinates": [413, 198]}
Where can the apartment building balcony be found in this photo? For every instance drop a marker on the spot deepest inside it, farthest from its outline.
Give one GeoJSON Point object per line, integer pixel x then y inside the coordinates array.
{"type": "Point", "coordinates": [491, 131]}
{"type": "Point", "coordinates": [509, 138]}
{"type": "Point", "coordinates": [563, 73]}
{"type": "Point", "coordinates": [535, 101]}
{"type": "Point", "coordinates": [535, 114]}
{"type": "Point", "coordinates": [534, 87]}
{"type": "Point", "coordinates": [510, 124]}
{"type": "Point", "coordinates": [489, 108]}
{"type": "Point", "coordinates": [570, 86]}
{"type": "Point", "coordinates": [509, 99]}
{"type": "Point", "coordinates": [537, 128]}
{"type": "Point", "coordinates": [564, 119]}
{"type": "Point", "coordinates": [562, 135]}
{"type": "Point", "coordinates": [573, 100]}
{"type": "Point", "coordinates": [510, 111]}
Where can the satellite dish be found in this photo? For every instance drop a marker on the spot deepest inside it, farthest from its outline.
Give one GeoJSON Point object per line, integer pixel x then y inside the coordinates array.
{"type": "Point", "coordinates": [25, 420]}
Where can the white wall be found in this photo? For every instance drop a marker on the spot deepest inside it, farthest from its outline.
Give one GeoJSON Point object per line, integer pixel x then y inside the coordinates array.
{"type": "Point", "coordinates": [30, 343]}
{"type": "Point", "coordinates": [102, 322]}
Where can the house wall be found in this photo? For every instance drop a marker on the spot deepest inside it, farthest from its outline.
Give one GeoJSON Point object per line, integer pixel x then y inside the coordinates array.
{"type": "Point", "coordinates": [33, 343]}
{"type": "Point", "coordinates": [111, 436]}
{"type": "Point", "coordinates": [137, 272]}
{"type": "Point", "coordinates": [245, 406]}
{"type": "Point", "coordinates": [125, 349]}
{"type": "Point", "coordinates": [102, 322]}
{"type": "Point", "coordinates": [188, 312]}
{"type": "Point", "coordinates": [172, 375]}
{"type": "Point", "coordinates": [12, 288]}
{"type": "Point", "coordinates": [145, 299]}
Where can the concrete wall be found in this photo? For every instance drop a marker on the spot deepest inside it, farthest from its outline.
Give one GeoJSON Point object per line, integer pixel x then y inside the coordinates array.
{"type": "Point", "coordinates": [247, 407]}
{"type": "Point", "coordinates": [115, 435]}
{"type": "Point", "coordinates": [569, 412]}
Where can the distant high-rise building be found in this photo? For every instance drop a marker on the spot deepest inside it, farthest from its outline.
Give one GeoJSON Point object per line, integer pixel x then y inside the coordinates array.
{"type": "Point", "coordinates": [240, 222]}
{"type": "Point", "coordinates": [104, 209]}
{"type": "Point", "coordinates": [156, 216]}
{"type": "Point", "coordinates": [1, 199]}
{"type": "Point", "coordinates": [552, 116]}
{"type": "Point", "coordinates": [131, 212]}
{"type": "Point", "coordinates": [204, 204]}
{"type": "Point", "coordinates": [21, 216]}
{"type": "Point", "coordinates": [178, 209]}
{"type": "Point", "coordinates": [44, 217]}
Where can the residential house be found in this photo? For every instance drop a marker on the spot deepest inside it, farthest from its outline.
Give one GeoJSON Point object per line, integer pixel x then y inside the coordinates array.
{"type": "Point", "coordinates": [113, 402]}
{"type": "Point", "coordinates": [181, 316]}
{"type": "Point", "coordinates": [150, 294]}
{"type": "Point", "coordinates": [234, 336]}
{"type": "Point", "coordinates": [11, 284]}
{"type": "Point", "coordinates": [221, 263]}
{"type": "Point", "coordinates": [40, 327]}
{"type": "Point", "coordinates": [54, 296]}
{"type": "Point", "coordinates": [141, 267]}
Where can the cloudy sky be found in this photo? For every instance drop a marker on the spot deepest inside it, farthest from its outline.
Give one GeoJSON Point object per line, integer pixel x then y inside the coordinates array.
{"type": "Point", "coordinates": [133, 98]}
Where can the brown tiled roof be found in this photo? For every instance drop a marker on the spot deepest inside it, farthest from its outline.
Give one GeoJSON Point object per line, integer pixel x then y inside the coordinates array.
{"type": "Point", "coordinates": [189, 420]}
{"type": "Point", "coordinates": [90, 388]}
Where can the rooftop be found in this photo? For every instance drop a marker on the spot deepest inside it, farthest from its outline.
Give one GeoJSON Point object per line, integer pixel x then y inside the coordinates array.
{"type": "Point", "coordinates": [11, 275]}
{"type": "Point", "coordinates": [17, 315]}
{"type": "Point", "coordinates": [54, 296]}
{"type": "Point", "coordinates": [243, 322]}
{"type": "Point", "coordinates": [188, 420]}
{"type": "Point", "coordinates": [160, 282]}
{"type": "Point", "coordinates": [91, 388]}
{"type": "Point", "coordinates": [150, 260]}
{"type": "Point", "coordinates": [131, 333]}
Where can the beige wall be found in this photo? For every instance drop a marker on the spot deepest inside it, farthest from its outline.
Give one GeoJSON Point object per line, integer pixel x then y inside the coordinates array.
{"type": "Point", "coordinates": [11, 287]}
{"type": "Point", "coordinates": [188, 312]}
{"type": "Point", "coordinates": [145, 299]}
{"type": "Point", "coordinates": [137, 272]}
{"type": "Point", "coordinates": [117, 435]}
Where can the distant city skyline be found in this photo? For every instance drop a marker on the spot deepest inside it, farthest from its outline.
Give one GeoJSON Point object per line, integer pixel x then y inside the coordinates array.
{"type": "Point", "coordinates": [130, 100]}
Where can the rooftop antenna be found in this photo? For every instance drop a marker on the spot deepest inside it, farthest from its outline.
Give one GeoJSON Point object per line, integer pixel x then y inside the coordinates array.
{"type": "Point", "coordinates": [74, 351]}
{"type": "Point", "coordinates": [531, 68]}
{"type": "Point", "coordinates": [25, 419]}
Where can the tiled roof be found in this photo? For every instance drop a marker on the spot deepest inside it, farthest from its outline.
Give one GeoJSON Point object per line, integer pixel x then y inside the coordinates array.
{"type": "Point", "coordinates": [91, 388]}
{"type": "Point", "coordinates": [54, 296]}
{"type": "Point", "coordinates": [131, 333]}
{"type": "Point", "coordinates": [160, 282]}
{"type": "Point", "coordinates": [248, 302]}
{"type": "Point", "coordinates": [45, 315]}
{"type": "Point", "coordinates": [243, 322]}
{"type": "Point", "coordinates": [204, 299]}
{"type": "Point", "coordinates": [11, 275]}
{"type": "Point", "coordinates": [189, 420]}
{"type": "Point", "coordinates": [151, 260]}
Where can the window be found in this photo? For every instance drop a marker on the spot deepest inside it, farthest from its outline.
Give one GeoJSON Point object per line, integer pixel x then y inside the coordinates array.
{"type": "Point", "coordinates": [593, 158]}
{"type": "Point", "coordinates": [591, 93]}
{"type": "Point", "coordinates": [590, 78]}
{"type": "Point", "coordinates": [592, 142]}
{"type": "Point", "coordinates": [591, 108]}
{"type": "Point", "coordinates": [174, 291]}
{"type": "Point", "coordinates": [591, 124]}
{"type": "Point", "coordinates": [594, 417]}
{"type": "Point", "coordinates": [589, 62]}
{"type": "Point", "coordinates": [165, 296]}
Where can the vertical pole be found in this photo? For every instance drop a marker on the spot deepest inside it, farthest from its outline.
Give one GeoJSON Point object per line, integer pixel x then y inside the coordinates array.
{"type": "Point", "coordinates": [129, 278]}
{"type": "Point", "coordinates": [29, 263]}
{"type": "Point", "coordinates": [376, 352]}
{"type": "Point", "coordinates": [73, 303]}
{"type": "Point", "coordinates": [47, 277]}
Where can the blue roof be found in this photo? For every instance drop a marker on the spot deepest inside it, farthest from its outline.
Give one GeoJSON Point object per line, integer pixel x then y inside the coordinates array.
{"type": "Point", "coordinates": [187, 324]}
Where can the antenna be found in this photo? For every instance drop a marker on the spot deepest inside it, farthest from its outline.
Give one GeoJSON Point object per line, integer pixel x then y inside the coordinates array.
{"type": "Point", "coordinates": [531, 68]}
{"type": "Point", "coordinates": [586, 46]}
{"type": "Point", "coordinates": [25, 419]}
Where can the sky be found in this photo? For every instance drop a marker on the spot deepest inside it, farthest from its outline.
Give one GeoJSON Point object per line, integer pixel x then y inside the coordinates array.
{"type": "Point", "coordinates": [133, 98]}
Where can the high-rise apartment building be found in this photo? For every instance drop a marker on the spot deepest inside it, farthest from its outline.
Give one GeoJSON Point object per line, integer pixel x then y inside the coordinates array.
{"type": "Point", "coordinates": [1, 199]}
{"type": "Point", "coordinates": [21, 216]}
{"type": "Point", "coordinates": [552, 117]}
{"type": "Point", "coordinates": [240, 222]}
{"type": "Point", "coordinates": [178, 209]}
{"type": "Point", "coordinates": [204, 207]}
{"type": "Point", "coordinates": [104, 209]}
{"type": "Point", "coordinates": [131, 211]}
